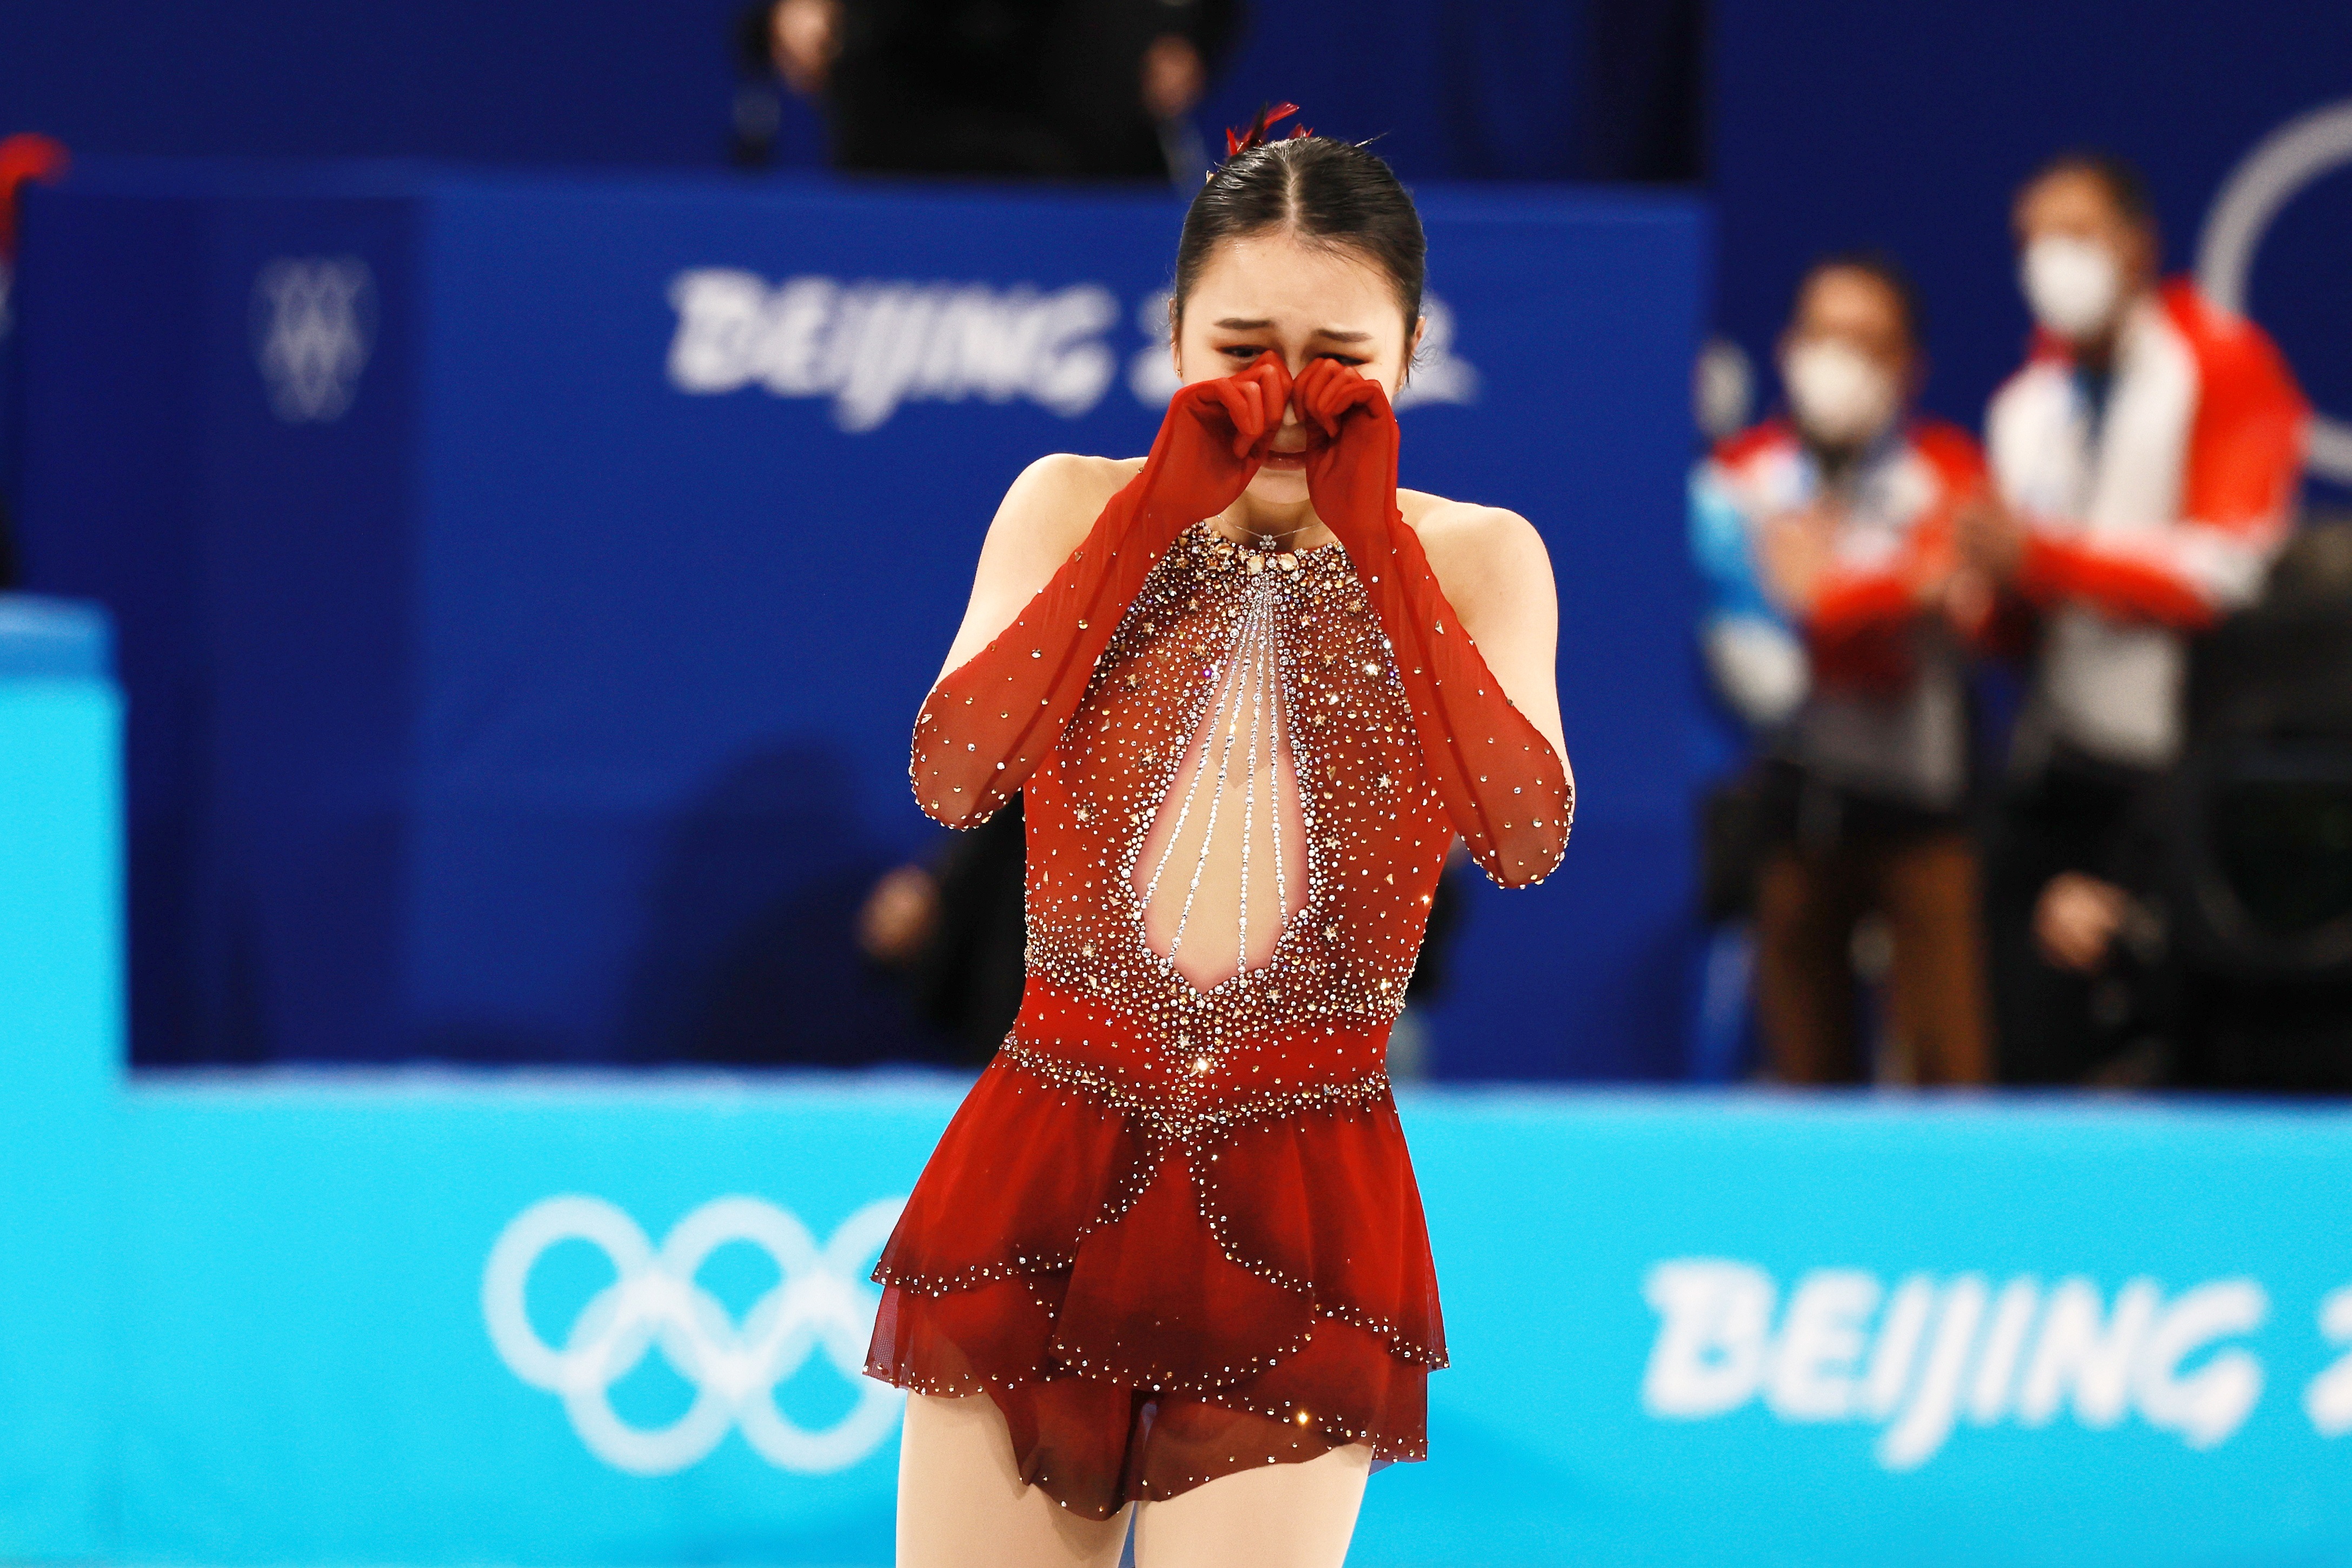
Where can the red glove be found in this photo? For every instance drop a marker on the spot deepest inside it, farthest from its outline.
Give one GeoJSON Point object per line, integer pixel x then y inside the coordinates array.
{"type": "Point", "coordinates": [1499, 779]}
{"type": "Point", "coordinates": [1211, 442]}
{"type": "Point", "coordinates": [989, 721]}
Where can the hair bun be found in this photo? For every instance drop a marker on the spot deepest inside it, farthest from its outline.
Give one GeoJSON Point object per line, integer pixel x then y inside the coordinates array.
{"type": "Point", "coordinates": [1240, 141]}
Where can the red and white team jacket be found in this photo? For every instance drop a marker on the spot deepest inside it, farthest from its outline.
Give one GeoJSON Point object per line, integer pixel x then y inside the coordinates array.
{"type": "Point", "coordinates": [1879, 704]}
{"type": "Point", "coordinates": [2149, 522]}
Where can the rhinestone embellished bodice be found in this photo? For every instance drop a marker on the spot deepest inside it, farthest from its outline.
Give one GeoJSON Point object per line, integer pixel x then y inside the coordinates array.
{"type": "Point", "coordinates": [1266, 656]}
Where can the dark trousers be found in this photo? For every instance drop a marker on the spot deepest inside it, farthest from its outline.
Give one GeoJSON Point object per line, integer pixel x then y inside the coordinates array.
{"type": "Point", "coordinates": [1809, 899]}
{"type": "Point", "coordinates": [2053, 1025]}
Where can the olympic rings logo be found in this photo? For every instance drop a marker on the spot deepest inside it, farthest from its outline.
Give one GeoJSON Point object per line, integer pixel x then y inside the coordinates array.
{"type": "Point", "coordinates": [822, 1304]}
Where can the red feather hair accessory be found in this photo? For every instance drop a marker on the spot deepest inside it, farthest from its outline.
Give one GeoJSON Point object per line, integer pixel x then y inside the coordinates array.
{"type": "Point", "coordinates": [1239, 141]}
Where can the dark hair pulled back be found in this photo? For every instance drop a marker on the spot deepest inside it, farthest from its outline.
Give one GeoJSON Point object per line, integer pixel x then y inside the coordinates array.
{"type": "Point", "coordinates": [1883, 269]}
{"type": "Point", "coordinates": [2126, 187]}
{"type": "Point", "coordinates": [1326, 192]}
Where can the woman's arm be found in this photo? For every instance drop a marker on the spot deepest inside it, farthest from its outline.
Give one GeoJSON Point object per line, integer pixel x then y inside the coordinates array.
{"type": "Point", "coordinates": [1041, 519]}
{"type": "Point", "coordinates": [1491, 567]}
{"type": "Point", "coordinates": [1503, 778]}
{"type": "Point", "coordinates": [1020, 664]}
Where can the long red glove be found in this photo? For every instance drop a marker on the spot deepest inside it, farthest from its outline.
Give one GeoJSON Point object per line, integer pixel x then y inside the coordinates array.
{"type": "Point", "coordinates": [1498, 778]}
{"type": "Point", "coordinates": [990, 721]}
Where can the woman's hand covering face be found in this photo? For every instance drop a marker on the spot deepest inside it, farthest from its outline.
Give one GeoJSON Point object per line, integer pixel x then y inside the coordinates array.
{"type": "Point", "coordinates": [1215, 439]}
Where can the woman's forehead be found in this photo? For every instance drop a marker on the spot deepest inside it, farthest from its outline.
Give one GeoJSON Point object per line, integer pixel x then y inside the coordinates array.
{"type": "Point", "coordinates": [1278, 282]}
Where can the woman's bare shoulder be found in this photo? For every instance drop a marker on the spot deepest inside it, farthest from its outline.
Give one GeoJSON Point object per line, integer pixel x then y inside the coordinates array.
{"type": "Point", "coordinates": [1476, 547]}
{"type": "Point", "coordinates": [1064, 486]}
{"type": "Point", "coordinates": [1049, 508]}
{"type": "Point", "coordinates": [1044, 516]}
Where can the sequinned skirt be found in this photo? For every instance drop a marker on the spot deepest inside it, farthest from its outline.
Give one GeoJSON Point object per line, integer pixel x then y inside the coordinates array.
{"type": "Point", "coordinates": [1164, 1272]}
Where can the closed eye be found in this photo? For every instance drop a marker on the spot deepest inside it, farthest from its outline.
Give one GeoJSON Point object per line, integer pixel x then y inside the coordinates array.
{"type": "Point", "coordinates": [1245, 353]}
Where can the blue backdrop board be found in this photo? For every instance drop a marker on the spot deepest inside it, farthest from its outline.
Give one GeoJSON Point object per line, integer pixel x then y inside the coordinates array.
{"type": "Point", "coordinates": [559, 1322]}
{"type": "Point", "coordinates": [526, 585]}
{"type": "Point", "coordinates": [1845, 123]}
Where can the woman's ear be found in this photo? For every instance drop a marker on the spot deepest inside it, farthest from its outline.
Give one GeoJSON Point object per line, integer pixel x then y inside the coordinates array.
{"type": "Point", "coordinates": [1412, 351]}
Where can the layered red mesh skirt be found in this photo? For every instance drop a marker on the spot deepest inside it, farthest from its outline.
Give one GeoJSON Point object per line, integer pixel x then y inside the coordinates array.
{"type": "Point", "coordinates": [1164, 1268]}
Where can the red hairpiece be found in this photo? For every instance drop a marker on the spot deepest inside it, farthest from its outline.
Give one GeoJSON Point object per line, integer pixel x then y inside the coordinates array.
{"type": "Point", "coordinates": [1238, 142]}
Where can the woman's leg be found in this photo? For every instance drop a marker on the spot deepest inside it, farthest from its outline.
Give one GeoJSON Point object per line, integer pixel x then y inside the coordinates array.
{"type": "Point", "coordinates": [962, 1504]}
{"type": "Point", "coordinates": [1277, 1516]}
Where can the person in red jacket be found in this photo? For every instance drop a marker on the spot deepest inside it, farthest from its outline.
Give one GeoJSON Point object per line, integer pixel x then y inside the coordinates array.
{"type": "Point", "coordinates": [1836, 630]}
{"type": "Point", "coordinates": [2147, 459]}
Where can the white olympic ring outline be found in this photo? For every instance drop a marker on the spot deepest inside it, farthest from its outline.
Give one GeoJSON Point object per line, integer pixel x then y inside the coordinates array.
{"type": "Point", "coordinates": [822, 1302]}
{"type": "Point", "coordinates": [2272, 174]}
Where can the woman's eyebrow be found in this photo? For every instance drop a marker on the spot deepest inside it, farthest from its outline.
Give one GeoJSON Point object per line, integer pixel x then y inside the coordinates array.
{"type": "Point", "coordinates": [1236, 324]}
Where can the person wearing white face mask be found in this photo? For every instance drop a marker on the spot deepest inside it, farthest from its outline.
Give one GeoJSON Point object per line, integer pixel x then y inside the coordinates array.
{"type": "Point", "coordinates": [1838, 614]}
{"type": "Point", "coordinates": [2147, 461]}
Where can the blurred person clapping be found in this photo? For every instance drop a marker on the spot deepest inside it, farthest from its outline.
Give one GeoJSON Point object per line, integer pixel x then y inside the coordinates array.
{"type": "Point", "coordinates": [1839, 608]}
{"type": "Point", "coordinates": [2147, 461]}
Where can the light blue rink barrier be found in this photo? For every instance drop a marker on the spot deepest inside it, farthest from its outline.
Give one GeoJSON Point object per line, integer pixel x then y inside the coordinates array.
{"type": "Point", "coordinates": [419, 1319]}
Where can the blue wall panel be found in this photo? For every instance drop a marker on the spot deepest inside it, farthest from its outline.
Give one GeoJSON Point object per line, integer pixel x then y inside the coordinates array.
{"type": "Point", "coordinates": [61, 1050]}
{"type": "Point", "coordinates": [537, 689]}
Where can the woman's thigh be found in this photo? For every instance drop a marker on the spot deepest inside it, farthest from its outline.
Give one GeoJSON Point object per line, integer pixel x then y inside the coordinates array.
{"type": "Point", "coordinates": [962, 1504]}
{"type": "Point", "coordinates": [1277, 1516]}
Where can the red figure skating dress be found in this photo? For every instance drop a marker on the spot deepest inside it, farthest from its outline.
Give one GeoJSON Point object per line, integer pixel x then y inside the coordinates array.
{"type": "Point", "coordinates": [1173, 1232]}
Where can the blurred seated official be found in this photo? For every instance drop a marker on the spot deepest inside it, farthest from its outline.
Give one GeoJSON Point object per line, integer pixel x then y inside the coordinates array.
{"type": "Point", "coordinates": [2146, 460]}
{"type": "Point", "coordinates": [1839, 610]}
{"type": "Point", "coordinates": [1042, 88]}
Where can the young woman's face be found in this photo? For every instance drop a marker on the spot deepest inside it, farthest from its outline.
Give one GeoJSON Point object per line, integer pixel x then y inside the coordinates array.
{"type": "Point", "coordinates": [1305, 302]}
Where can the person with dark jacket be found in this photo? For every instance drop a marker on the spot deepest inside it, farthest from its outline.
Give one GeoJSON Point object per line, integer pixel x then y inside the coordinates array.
{"type": "Point", "coordinates": [1042, 88]}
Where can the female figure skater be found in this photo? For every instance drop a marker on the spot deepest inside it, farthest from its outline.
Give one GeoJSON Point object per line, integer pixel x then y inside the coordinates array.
{"type": "Point", "coordinates": [1169, 1256]}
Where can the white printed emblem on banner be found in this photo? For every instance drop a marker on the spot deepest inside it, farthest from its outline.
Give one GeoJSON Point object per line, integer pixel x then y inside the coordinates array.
{"type": "Point", "coordinates": [821, 1305]}
{"type": "Point", "coordinates": [314, 330]}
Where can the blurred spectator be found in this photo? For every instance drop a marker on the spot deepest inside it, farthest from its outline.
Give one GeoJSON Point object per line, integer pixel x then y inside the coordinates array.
{"type": "Point", "coordinates": [1051, 88]}
{"type": "Point", "coordinates": [957, 932]}
{"type": "Point", "coordinates": [24, 158]}
{"type": "Point", "coordinates": [1827, 540]}
{"type": "Point", "coordinates": [2146, 459]}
